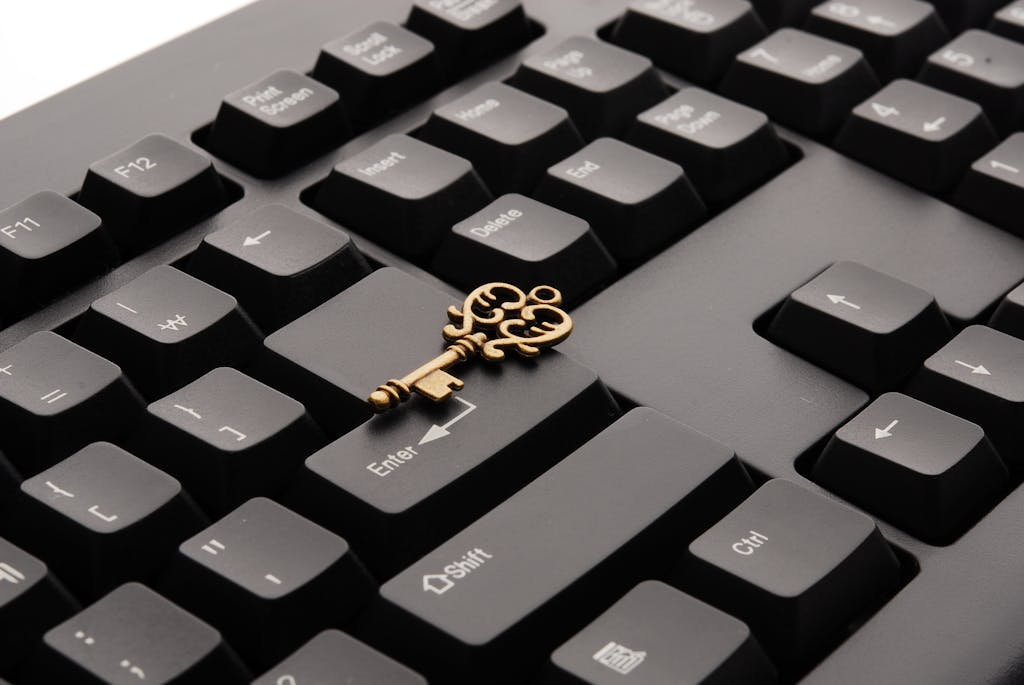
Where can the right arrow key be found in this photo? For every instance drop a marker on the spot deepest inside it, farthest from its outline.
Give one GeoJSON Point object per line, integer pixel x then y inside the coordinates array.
{"type": "Point", "coordinates": [922, 469]}
{"type": "Point", "coordinates": [865, 326]}
{"type": "Point", "coordinates": [979, 376]}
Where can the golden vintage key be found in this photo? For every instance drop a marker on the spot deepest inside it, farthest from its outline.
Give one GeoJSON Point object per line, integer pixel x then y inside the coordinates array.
{"type": "Point", "coordinates": [495, 316]}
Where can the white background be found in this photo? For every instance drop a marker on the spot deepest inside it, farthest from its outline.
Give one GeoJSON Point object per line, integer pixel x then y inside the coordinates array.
{"type": "Point", "coordinates": [48, 45]}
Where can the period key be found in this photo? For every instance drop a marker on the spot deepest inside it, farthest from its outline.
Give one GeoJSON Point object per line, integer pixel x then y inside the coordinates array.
{"type": "Point", "coordinates": [492, 593]}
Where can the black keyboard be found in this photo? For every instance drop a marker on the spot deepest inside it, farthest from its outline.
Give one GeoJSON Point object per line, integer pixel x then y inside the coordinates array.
{"type": "Point", "coordinates": [782, 444]}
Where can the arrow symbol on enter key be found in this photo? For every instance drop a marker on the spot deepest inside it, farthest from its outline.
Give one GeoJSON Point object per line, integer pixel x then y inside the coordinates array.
{"type": "Point", "coordinates": [250, 241]}
{"type": "Point", "coordinates": [437, 432]}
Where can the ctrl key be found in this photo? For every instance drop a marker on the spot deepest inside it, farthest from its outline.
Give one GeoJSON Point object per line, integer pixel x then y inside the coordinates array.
{"type": "Point", "coordinates": [797, 567]}
{"type": "Point", "coordinates": [132, 636]}
{"type": "Point", "coordinates": [656, 634]}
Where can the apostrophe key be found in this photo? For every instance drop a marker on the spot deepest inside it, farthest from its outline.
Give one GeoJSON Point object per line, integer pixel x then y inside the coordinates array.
{"type": "Point", "coordinates": [895, 35]}
{"type": "Point", "coordinates": [918, 467]}
{"type": "Point", "coordinates": [979, 376]}
{"type": "Point", "coordinates": [410, 193]}
{"type": "Point", "coordinates": [102, 517]}
{"type": "Point", "coordinates": [726, 149]}
{"type": "Point", "coordinates": [31, 602]}
{"type": "Point", "coordinates": [801, 80]}
{"type": "Point", "coordinates": [269, 578]}
{"type": "Point", "coordinates": [151, 189]}
{"type": "Point", "coordinates": [279, 263]}
{"type": "Point", "coordinates": [656, 635]}
{"type": "Point", "coordinates": [499, 591]}
{"type": "Point", "coordinates": [333, 656]}
{"type": "Point", "coordinates": [1009, 315]}
{"type": "Point", "coordinates": [379, 69]}
{"type": "Point", "coordinates": [696, 40]}
{"type": "Point", "coordinates": [636, 202]}
{"type": "Point", "coordinates": [986, 69]}
{"type": "Point", "coordinates": [48, 244]}
{"type": "Point", "coordinates": [1009, 22]}
{"type": "Point", "coordinates": [470, 33]}
{"type": "Point", "coordinates": [510, 136]}
{"type": "Point", "coordinates": [56, 398]}
{"type": "Point", "coordinates": [133, 636]}
{"type": "Point", "coordinates": [777, 13]}
{"type": "Point", "coordinates": [275, 124]}
{"type": "Point", "coordinates": [228, 438]}
{"type": "Point", "coordinates": [918, 134]}
{"type": "Point", "coordinates": [870, 328]}
{"type": "Point", "coordinates": [601, 86]}
{"type": "Point", "coordinates": [797, 567]}
{"type": "Point", "coordinates": [166, 328]}
{"type": "Point", "coordinates": [993, 188]}
{"type": "Point", "coordinates": [960, 15]}
{"type": "Point", "coordinates": [522, 241]}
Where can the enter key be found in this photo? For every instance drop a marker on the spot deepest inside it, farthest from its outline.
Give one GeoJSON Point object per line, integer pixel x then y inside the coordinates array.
{"type": "Point", "coordinates": [401, 483]}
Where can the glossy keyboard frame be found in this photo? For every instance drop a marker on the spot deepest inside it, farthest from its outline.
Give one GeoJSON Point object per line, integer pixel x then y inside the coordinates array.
{"type": "Point", "coordinates": [959, 620]}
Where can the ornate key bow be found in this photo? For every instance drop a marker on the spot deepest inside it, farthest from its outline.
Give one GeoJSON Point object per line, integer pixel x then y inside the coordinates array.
{"type": "Point", "coordinates": [496, 317]}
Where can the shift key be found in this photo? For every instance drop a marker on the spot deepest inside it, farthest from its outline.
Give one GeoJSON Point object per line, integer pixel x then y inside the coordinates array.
{"type": "Point", "coordinates": [519, 581]}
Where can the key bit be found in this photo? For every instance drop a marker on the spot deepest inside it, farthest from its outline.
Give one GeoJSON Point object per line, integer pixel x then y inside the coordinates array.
{"type": "Point", "coordinates": [493, 317]}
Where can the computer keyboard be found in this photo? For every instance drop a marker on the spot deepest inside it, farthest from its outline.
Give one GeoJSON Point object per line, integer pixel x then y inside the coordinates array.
{"type": "Point", "coordinates": [781, 445]}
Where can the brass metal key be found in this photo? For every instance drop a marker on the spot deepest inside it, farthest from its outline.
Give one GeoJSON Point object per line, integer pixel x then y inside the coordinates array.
{"type": "Point", "coordinates": [493, 318]}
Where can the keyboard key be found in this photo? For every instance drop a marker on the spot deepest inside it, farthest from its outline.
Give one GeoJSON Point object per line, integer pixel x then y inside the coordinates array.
{"type": "Point", "coordinates": [1009, 315]}
{"type": "Point", "coordinates": [993, 188]}
{"type": "Point", "coordinates": [920, 135]}
{"type": "Point", "coordinates": [380, 69]}
{"type": "Point", "coordinates": [279, 263]}
{"type": "Point", "coordinates": [636, 202]}
{"type": "Point", "coordinates": [333, 366]}
{"type": "Point", "coordinates": [410, 193]}
{"type": "Point", "coordinates": [918, 467]}
{"type": "Point", "coordinates": [523, 242]}
{"type": "Point", "coordinates": [166, 328]}
{"type": "Point", "coordinates": [31, 602]}
{"type": "Point", "coordinates": [862, 325]}
{"type": "Point", "coordinates": [277, 123]}
{"type": "Point", "coordinates": [694, 39]}
{"type": "Point", "coordinates": [494, 590]}
{"type": "Point", "coordinates": [511, 137]}
{"type": "Point", "coordinates": [56, 398]}
{"type": "Point", "coordinates": [797, 567]}
{"type": "Point", "coordinates": [228, 438]}
{"type": "Point", "coordinates": [960, 15]}
{"type": "Point", "coordinates": [984, 68]}
{"type": "Point", "coordinates": [269, 578]}
{"type": "Point", "coordinates": [102, 517]}
{"type": "Point", "coordinates": [601, 86]}
{"type": "Point", "coordinates": [777, 13]}
{"type": "Point", "coordinates": [447, 463]}
{"type": "Point", "coordinates": [1009, 22]}
{"type": "Point", "coordinates": [896, 36]}
{"type": "Point", "coordinates": [333, 656]}
{"type": "Point", "coordinates": [979, 376]}
{"type": "Point", "coordinates": [725, 148]}
{"type": "Point", "coordinates": [470, 34]}
{"type": "Point", "coordinates": [801, 80]}
{"type": "Point", "coordinates": [655, 635]}
{"type": "Point", "coordinates": [134, 635]}
{"type": "Point", "coordinates": [150, 190]}
{"type": "Point", "coordinates": [48, 244]}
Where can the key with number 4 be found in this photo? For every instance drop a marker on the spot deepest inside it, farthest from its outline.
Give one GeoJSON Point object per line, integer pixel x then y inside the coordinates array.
{"type": "Point", "coordinates": [525, 322]}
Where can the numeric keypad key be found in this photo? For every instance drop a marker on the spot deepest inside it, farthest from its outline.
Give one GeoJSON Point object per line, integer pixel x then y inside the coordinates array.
{"type": "Point", "coordinates": [918, 134]}
{"type": "Point", "coordinates": [993, 188]}
{"type": "Point", "coordinates": [1009, 22]}
{"type": "Point", "coordinates": [801, 80]}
